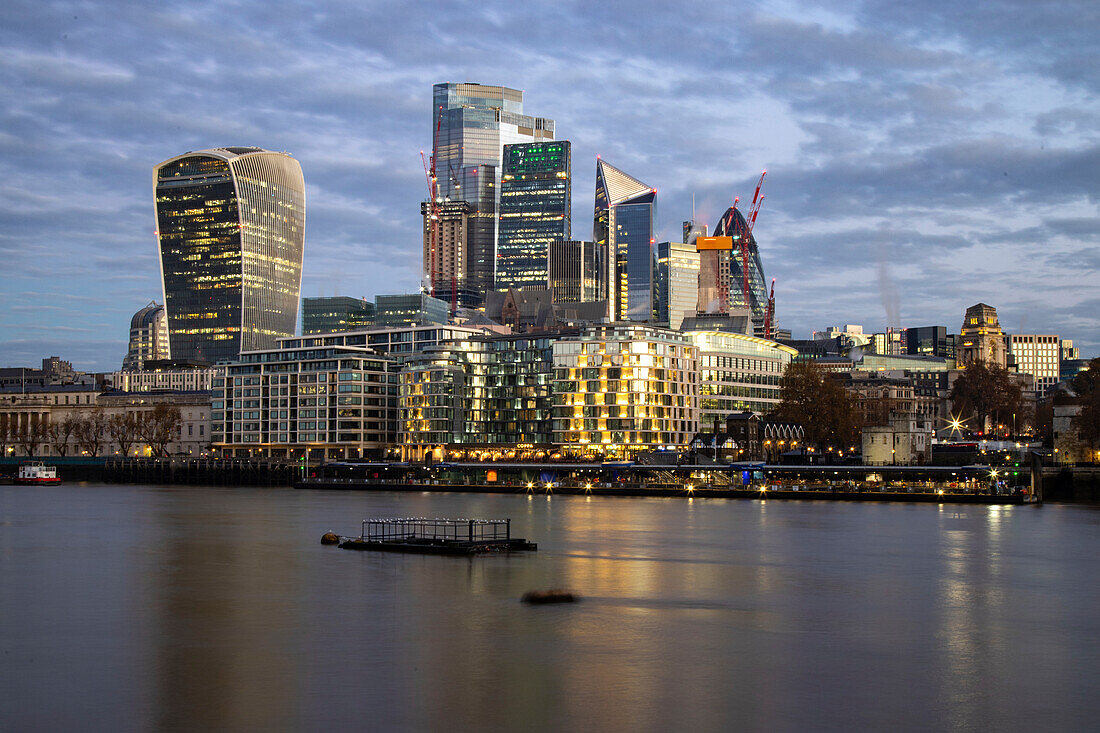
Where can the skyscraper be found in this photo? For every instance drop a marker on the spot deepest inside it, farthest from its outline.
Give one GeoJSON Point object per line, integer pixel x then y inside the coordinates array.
{"type": "Point", "coordinates": [577, 272]}
{"type": "Point", "coordinates": [230, 229]}
{"type": "Point", "coordinates": [677, 282]}
{"type": "Point", "coordinates": [148, 337]}
{"type": "Point", "coordinates": [623, 227]}
{"type": "Point", "coordinates": [535, 195]}
{"type": "Point", "coordinates": [471, 125]}
{"type": "Point", "coordinates": [733, 225]}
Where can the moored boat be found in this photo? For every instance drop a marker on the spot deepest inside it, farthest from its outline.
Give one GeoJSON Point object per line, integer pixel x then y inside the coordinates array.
{"type": "Point", "coordinates": [36, 472]}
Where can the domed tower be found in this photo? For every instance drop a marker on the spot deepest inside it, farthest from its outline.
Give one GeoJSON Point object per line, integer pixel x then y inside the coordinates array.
{"type": "Point", "coordinates": [148, 337]}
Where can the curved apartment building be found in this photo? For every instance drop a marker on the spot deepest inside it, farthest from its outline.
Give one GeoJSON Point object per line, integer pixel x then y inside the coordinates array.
{"type": "Point", "coordinates": [231, 233]}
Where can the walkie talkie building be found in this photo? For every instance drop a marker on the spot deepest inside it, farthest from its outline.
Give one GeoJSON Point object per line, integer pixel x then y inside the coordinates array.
{"type": "Point", "coordinates": [231, 232]}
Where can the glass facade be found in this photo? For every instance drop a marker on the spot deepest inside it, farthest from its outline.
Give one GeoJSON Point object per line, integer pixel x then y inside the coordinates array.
{"type": "Point", "coordinates": [577, 272]}
{"type": "Point", "coordinates": [414, 309]}
{"type": "Point", "coordinates": [732, 224]}
{"type": "Point", "coordinates": [535, 196]}
{"type": "Point", "coordinates": [337, 313]}
{"type": "Point", "coordinates": [623, 225]}
{"type": "Point", "coordinates": [471, 125]}
{"type": "Point", "coordinates": [230, 229]}
{"type": "Point", "coordinates": [624, 389]}
{"type": "Point", "coordinates": [738, 372]}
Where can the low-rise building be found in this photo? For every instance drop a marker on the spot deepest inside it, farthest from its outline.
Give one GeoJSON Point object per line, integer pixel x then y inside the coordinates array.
{"type": "Point", "coordinates": [905, 440]}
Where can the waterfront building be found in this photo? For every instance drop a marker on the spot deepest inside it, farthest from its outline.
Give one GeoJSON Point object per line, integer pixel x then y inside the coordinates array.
{"type": "Point", "coordinates": [312, 401]}
{"type": "Point", "coordinates": [471, 124]}
{"type": "Point", "coordinates": [409, 309]}
{"type": "Point", "coordinates": [677, 282]}
{"type": "Point", "coordinates": [623, 227]}
{"type": "Point", "coordinates": [535, 198]}
{"type": "Point", "coordinates": [738, 372]}
{"type": "Point", "coordinates": [902, 440]}
{"type": "Point", "coordinates": [447, 253]}
{"type": "Point", "coordinates": [336, 313]}
{"type": "Point", "coordinates": [230, 229]}
{"type": "Point", "coordinates": [148, 337]}
{"type": "Point", "coordinates": [1039, 356]}
{"type": "Point", "coordinates": [486, 395]}
{"type": "Point", "coordinates": [622, 389]}
{"type": "Point", "coordinates": [981, 337]}
{"type": "Point", "coordinates": [577, 271]}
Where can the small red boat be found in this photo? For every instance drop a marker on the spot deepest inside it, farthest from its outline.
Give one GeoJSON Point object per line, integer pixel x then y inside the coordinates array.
{"type": "Point", "coordinates": [36, 472]}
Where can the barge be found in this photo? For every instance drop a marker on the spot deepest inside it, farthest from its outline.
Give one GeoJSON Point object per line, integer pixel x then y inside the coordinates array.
{"type": "Point", "coordinates": [437, 536]}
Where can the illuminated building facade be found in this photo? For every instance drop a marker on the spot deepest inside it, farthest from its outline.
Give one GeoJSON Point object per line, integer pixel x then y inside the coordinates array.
{"type": "Point", "coordinates": [148, 337]}
{"type": "Point", "coordinates": [230, 230]}
{"type": "Point", "coordinates": [1040, 356]}
{"type": "Point", "coordinates": [738, 372]}
{"type": "Point", "coordinates": [577, 272]}
{"type": "Point", "coordinates": [535, 196]}
{"type": "Point", "coordinates": [447, 252]}
{"type": "Point", "coordinates": [623, 227]}
{"type": "Point", "coordinates": [981, 337]}
{"type": "Point", "coordinates": [471, 124]}
{"type": "Point", "coordinates": [677, 282]}
{"type": "Point", "coordinates": [486, 392]}
{"type": "Point", "coordinates": [622, 389]}
{"type": "Point", "coordinates": [336, 313]}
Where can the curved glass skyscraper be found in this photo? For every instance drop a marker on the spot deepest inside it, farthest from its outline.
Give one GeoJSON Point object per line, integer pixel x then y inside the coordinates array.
{"type": "Point", "coordinates": [733, 225]}
{"type": "Point", "coordinates": [230, 229]}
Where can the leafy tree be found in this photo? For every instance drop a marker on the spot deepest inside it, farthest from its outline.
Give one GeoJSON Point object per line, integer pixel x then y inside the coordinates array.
{"type": "Point", "coordinates": [987, 392]}
{"type": "Point", "coordinates": [91, 431]}
{"type": "Point", "coordinates": [825, 410]}
{"type": "Point", "coordinates": [124, 430]}
{"type": "Point", "coordinates": [159, 427]}
{"type": "Point", "coordinates": [1087, 386]}
{"type": "Point", "coordinates": [61, 432]}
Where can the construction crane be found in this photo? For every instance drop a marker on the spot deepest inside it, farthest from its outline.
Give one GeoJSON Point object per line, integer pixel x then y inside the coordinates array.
{"type": "Point", "coordinates": [434, 205]}
{"type": "Point", "coordinates": [743, 231]}
{"type": "Point", "coordinates": [769, 313]}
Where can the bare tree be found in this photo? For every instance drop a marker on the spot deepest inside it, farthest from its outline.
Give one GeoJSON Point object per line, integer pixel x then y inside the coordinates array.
{"type": "Point", "coordinates": [32, 435]}
{"type": "Point", "coordinates": [124, 430]}
{"type": "Point", "coordinates": [61, 432]}
{"type": "Point", "coordinates": [160, 426]}
{"type": "Point", "coordinates": [91, 431]}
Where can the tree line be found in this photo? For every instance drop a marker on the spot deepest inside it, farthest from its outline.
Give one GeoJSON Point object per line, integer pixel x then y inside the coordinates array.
{"type": "Point", "coordinates": [94, 430]}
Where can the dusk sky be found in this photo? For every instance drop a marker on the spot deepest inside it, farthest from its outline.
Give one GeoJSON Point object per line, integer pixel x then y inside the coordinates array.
{"type": "Point", "coordinates": [921, 156]}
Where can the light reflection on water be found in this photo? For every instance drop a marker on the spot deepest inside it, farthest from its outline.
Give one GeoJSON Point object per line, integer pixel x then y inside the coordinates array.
{"type": "Point", "coordinates": [146, 608]}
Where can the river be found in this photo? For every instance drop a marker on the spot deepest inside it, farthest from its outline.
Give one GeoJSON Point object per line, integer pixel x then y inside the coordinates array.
{"type": "Point", "coordinates": [184, 608]}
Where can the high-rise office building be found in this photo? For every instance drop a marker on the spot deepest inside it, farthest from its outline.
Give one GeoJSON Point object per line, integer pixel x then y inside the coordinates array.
{"type": "Point", "coordinates": [230, 228]}
{"type": "Point", "coordinates": [577, 272]}
{"type": "Point", "coordinates": [535, 195]}
{"type": "Point", "coordinates": [447, 251]}
{"type": "Point", "coordinates": [336, 313]}
{"type": "Point", "coordinates": [472, 124]}
{"type": "Point", "coordinates": [148, 337]}
{"type": "Point", "coordinates": [623, 226]}
{"type": "Point", "coordinates": [1040, 356]}
{"type": "Point", "coordinates": [732, 268]}
{"type": "Point", "coordinates": [677, 282]}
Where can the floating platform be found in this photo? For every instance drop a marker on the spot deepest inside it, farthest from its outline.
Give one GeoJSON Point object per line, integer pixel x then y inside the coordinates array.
{"type": "Point", "coordinates": [437, 536]}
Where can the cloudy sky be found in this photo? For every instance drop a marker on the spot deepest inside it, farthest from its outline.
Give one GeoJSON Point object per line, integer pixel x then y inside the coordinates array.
{"type": "Point", "coordinates": [922, 156]}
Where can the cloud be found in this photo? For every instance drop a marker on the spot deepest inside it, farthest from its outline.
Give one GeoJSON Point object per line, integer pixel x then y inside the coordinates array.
{"type": "Point", "coordinates": [954, 145]}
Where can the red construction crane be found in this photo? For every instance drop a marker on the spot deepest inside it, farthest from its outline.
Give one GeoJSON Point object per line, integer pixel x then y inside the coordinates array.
{"type": "Point", "coordinates": [769, 313]}
{"type": "Point", "coordinates": [434, 205]}
{"type": "Point", "coordinates": [743, 231]}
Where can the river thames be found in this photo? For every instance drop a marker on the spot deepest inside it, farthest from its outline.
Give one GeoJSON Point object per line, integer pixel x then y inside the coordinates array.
{"type": "Point", "coordinates": [184, 608]}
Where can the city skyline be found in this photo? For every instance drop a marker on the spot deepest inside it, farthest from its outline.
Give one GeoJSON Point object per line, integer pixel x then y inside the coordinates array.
{"type": "Point", "coordinates": [909, 177]}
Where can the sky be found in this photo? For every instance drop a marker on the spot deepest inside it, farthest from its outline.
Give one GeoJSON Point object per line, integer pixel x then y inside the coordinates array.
{"type": "Point", "coordinates": [921, 156]}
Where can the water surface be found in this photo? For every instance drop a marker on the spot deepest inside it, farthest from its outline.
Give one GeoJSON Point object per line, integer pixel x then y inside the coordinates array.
{"type": "Point", "coordinates": [138, 608]}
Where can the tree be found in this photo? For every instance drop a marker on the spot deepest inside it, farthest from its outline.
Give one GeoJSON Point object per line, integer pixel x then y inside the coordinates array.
{"type": "Point", "coordinates": [824, 409]}
{"type": "Point", "coordinates": [987, 392]}
{"type": "Point", "coordinates": [124, 430]}
{"type": "Point", "coordinates": [91, 431]}
{"type": "Point", "coordinates": [32, 435]}
{"type": "Point", "coordinates": [61, 432]}
{"type": "Point", "coordinates": [159, 427]}
{"type": "Point", "coordinates": [1087, 386]}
